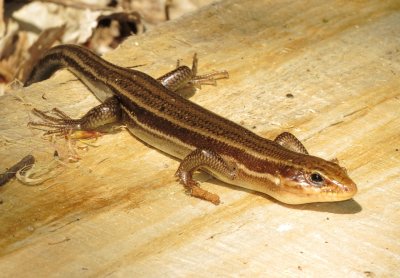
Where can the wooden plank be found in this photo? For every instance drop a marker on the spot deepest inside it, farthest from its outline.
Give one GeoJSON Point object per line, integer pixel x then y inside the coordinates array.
{"type": "Point", "coordinates": [120, 212]}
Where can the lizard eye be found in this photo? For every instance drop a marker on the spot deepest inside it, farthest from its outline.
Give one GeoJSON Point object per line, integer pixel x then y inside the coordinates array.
{"type": "Point", "coordinates": [316, 179]}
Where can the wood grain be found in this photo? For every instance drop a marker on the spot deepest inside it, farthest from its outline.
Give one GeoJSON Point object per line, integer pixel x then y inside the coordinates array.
{"type": "Point", "coordinates": [120, 212]}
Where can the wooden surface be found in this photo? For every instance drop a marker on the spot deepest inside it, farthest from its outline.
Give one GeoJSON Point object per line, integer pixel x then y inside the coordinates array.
{"type": "Point", "coordinates": [120, 212]}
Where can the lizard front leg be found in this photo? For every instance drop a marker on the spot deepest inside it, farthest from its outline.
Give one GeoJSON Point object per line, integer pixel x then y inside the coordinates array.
{"type": "Point", "coordinates": [209, 161]}
{"type": "Point", "coordinates": [289, 141]}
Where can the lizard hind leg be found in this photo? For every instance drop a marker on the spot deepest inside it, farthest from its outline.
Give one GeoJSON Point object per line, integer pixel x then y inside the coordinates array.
{"type": "Point", "coordinates": [53, 124]}
{"type": "Point", "coordinates": [182, 76]}
{"type": "Point", "coordinates": [85, 127]}
{"type": "Point", "coordinates": [207, 78]}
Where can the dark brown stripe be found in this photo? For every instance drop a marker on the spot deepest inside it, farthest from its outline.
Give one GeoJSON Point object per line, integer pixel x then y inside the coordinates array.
{"type": "Point", "coordinates": [141, 93]}
{"type": "Point", "coordinates": [154, 122]}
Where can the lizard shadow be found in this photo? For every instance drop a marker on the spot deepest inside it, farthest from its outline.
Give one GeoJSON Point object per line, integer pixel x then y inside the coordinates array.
{"type": "Point", "coordinates": [341, 207]}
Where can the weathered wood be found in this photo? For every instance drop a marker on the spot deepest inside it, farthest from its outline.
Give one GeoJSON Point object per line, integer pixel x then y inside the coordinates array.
{"type": "Point", "coordinates": [120, 212]}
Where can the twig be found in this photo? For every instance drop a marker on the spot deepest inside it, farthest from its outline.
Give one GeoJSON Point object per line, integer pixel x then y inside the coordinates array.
{"type": "Point", "coordinates": [167, 9]}
{"type": "Point", "coordinates": [10, 173]}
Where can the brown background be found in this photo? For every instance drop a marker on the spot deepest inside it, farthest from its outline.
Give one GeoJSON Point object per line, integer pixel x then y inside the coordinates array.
{"type": "Point", "coordinates": [120, 211]}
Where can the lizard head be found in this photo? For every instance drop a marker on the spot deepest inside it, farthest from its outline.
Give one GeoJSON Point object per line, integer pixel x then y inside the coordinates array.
{"type": "Point", "coordinates": [315, 180]}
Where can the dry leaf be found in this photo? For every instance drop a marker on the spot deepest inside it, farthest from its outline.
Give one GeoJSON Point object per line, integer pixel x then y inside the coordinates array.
{"type": "Point", "coordinates": [45, 41]}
